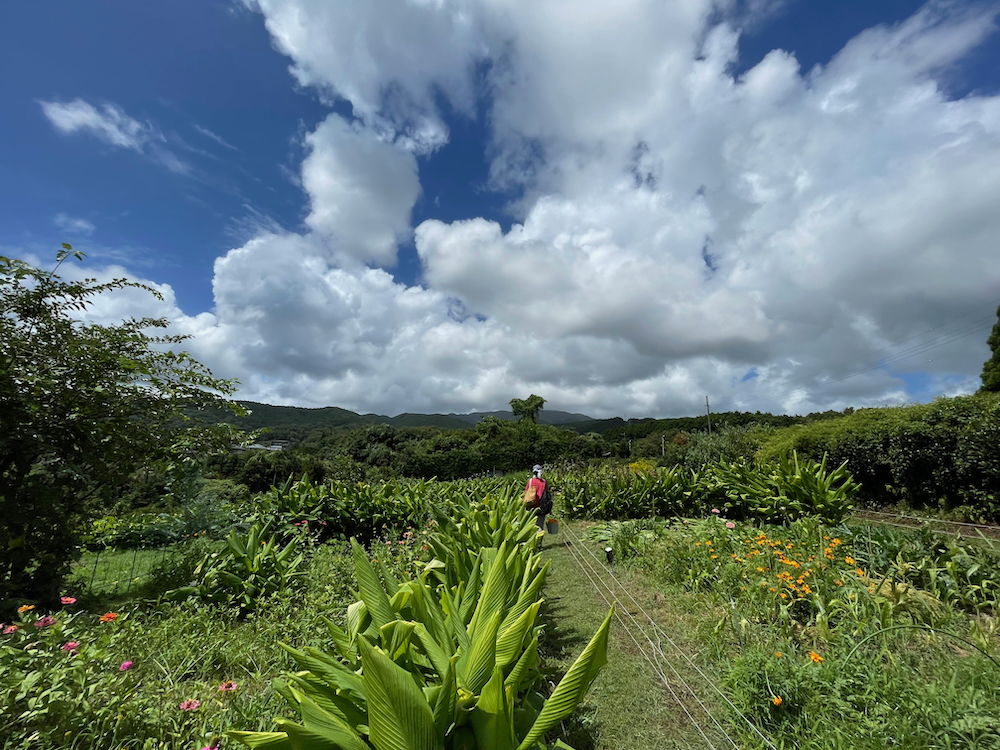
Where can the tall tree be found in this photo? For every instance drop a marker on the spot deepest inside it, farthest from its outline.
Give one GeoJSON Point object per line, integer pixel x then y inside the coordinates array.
{"type": "Point", "coordinates": [991, 368]}
{"type": "Point", "coordinates": [528, 408]}
{"type": "Point", "coordinates": [83, 406]}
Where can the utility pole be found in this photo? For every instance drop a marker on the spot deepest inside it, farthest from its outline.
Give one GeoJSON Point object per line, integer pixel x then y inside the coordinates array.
{"type": "Point", "coordinates": [708, 410]}
{"type": "Point", "coordinates": [662, 444]}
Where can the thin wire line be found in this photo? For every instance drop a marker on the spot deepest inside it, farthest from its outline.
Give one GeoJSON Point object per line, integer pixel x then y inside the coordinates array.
{"type": "Point", "coordinates": [687, 658]}
{"type": "Point", "coordinates": [656, 669]}
{"type": "Point", "coordinates": [778, 390]}
{"type": "Point", "coordinates": [578, 558]}
{"type": "Point", "coordinates": [931, 520]}
{"type": "Point", "coordinates": [819, 373]}
{"type": "Point", "coordinates": [658, 648]}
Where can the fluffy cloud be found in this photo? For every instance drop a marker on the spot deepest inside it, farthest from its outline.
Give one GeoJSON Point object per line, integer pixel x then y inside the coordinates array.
{"type": "Point", "coordinates": [681, 231]}
{"type": "Point", "coordinates": [361, 190]}
{"type": "Point", "coordinates": [72, 224]}
{"type": "Point", "coordinates": [111, 124]}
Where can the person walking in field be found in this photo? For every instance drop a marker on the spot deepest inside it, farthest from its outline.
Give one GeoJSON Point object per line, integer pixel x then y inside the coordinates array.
{"type": "Point", "coordinates": [538, 496]}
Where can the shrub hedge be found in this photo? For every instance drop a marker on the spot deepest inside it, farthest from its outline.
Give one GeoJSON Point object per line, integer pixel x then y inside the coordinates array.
{"type": "Point", "coordinates": [944, 455]}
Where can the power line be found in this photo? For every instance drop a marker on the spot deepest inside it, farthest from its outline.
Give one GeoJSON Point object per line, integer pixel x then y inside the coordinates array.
{"type": "Point", "coordinates": [779, 390]}
{"type": "Point", "coordinates": [897, 343]}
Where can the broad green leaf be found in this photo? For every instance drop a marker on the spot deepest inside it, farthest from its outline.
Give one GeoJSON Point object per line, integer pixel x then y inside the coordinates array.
{"type": "Point", "coordinates": [329, 670]}
{"type": "Point", "coordinates": [262, 740]}
{"type": "Point", "coordinates": [357, 613]}
{"type": "Point", "coordinates": [494, 593]}
{"type": "Point", "coordinates": [447, 697]}
{"type": "Point", "coordinates": [399, 717]}
{"type": "Point", "coordinates": [509, 641]}
{"type": "Point", "coordinates": [492, 718]}
{"type": "Point", "coordinates": [476, 665]}
{"type": "Point", "coordinates": [328, 726]}
{"type": "Point", "coordinates": [528, 597]}
{"type": "Point", "coordinates": [396, 637]}
{"type": "Point", "coordinates": [370, 588]}
{"type": "Point", "coordinates": [434, 651]}
{"type": "Point", "coordinates": [573, 686]}
{"type": "Point", "coordinates": [528, 659]}
{"type": "Point", "coordinates": [353, 710]}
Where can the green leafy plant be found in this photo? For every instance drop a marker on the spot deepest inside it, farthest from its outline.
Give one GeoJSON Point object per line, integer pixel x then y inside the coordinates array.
{"type": "Point", "coordinates": [249, 568]}
{"type": "Point", "coordinates": [448, 659]}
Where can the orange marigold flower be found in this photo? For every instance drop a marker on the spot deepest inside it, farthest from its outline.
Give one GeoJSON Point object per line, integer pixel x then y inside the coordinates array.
{"type": "Point", "coordinates": [778, 654]}
{"type": "Point", "coordinates": [109, 616]}
{"type": "Point", "coordinates": [771, 589]}
{"type": "Point", "coordinates": [25, 608]}
{"type": "Point", "coordinates": [776, 700]}
{"type": "Point", "coordinates": [849, 560]}
{"type": "Point", "coordinates": [815, 657]}
{"type": "Point", "coordinates": [859, 571]}
{"type": "Point", "coordinates": [784, 595]}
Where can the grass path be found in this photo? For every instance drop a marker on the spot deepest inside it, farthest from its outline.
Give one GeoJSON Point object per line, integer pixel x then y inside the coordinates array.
{"type": "Point", "coordinates": [628, 706]}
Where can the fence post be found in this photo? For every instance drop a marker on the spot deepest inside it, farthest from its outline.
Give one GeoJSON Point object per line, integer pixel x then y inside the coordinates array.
{"type": "Point", "coordinates": [90, 588]}
{"type": "Point", "coordinates": [132, 573]}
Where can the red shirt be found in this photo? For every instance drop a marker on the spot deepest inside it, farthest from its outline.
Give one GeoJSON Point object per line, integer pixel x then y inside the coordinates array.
{"type": "Point", "coordinates": [539, 485]}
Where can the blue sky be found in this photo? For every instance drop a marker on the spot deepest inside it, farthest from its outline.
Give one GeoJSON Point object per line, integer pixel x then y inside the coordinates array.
{"type": "Point", "coordinates": [428, 212]}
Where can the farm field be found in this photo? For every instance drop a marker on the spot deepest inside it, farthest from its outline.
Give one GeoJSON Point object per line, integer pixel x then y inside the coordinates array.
{"type": "Point", "coordinates": [804, 634]}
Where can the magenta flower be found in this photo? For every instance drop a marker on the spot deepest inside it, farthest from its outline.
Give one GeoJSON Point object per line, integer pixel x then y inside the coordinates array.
{"type": "Point", "coordinates": [228, 686]}
{"type": "Point", "coordinates": [125, 667]}
{"type": "Point", "coordinates": [715, 510]}
{"type": "Point", "coordinates": [71, 646]}
{"type": "Point", "coordinates": [44, 622]}
{"type": "Point", "coordinates": [68, 600]}
{"type": "Point", "coordinates": [10, 629]}
{"type": "Point", "coordinates": [730, 525]}
{"type": "Point", "coordinates": [190, 705]}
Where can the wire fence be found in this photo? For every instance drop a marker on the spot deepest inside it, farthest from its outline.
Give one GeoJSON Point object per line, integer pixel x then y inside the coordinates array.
{"type": "Point", "coordinates": [114, 572]}
{"type": "Point", "coordinates": [670, 662]}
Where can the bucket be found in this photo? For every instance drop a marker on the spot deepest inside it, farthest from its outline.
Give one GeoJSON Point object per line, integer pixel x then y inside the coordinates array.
{"type": "Point", "coordinates": [552, 526]}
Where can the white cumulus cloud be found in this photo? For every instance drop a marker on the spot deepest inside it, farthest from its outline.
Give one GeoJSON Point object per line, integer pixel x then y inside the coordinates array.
{"type": "Point", "coordinates": [680, 230]}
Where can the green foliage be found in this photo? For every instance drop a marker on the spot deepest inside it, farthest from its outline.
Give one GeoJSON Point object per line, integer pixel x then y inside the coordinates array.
{"type": "Point", "coordinates": [344, 509]}
{"type": "Point", "coordinates": [84, 406]}
{"type": "Point", "coordinates": [785, 490]}
{"type": "Point", "coordinates": [200, 515]}
{"type": "Point", "coordinates": [822, 633]}
{"type": "Point", "coordinates": [991, 368]}
{"type": "Point", "coordinates": [447, 659]}
{"type": "Point", "coordinates": [527, 408]}
{"type": "Point", "coordinates": [179, 652]}
{"type": "Point", "coordinates": [250, 568]}
{"type": "Point", "coordinates": [943, 455]}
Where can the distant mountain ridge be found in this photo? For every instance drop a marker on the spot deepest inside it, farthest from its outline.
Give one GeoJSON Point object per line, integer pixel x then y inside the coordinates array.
{"type": "Point", "coordinates": [286, 421]}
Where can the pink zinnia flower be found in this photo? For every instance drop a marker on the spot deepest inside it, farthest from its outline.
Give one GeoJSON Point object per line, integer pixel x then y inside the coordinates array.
{"type": "Point", "coordinates": [730, 525]}
{"type": "Point", "coordinates": [44, 622]}
{"type": "Point", "coordinates": [228, 686]}
{"type": "Point", "coordinates": [68, 600]}
{"type": "Point", "coordinates": [125, 667]}
{"type": "Point", "coordinates": [10, 629]}
{"type": "Point", "coordinates": [715, 510]}
{"type": "Point", "coordinates": [190, 705]}
{"type": "Point", "coordinates": [71, 646]}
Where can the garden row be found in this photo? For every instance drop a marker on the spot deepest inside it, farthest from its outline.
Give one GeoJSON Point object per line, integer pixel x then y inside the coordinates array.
{"type": "Point", "coordinates": [785, 490]}
{"type": "Point", "coordinates": [439, 649]}
{"type": "Point", "coordinates": [830, 637]}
